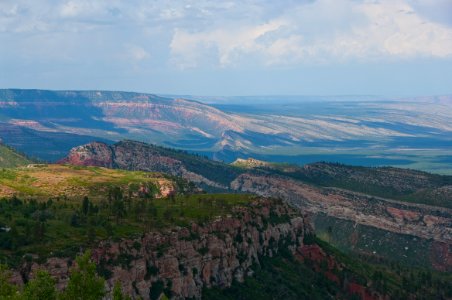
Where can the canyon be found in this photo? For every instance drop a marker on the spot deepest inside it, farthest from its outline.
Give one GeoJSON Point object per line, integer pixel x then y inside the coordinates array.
{"type": "Point", "coordinates": [366, 216]}
{"type": "Point", "coordinates": [409, 132]}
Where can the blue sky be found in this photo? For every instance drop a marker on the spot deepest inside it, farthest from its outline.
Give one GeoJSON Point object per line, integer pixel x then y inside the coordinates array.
{"type": "Point", "coordinates": [248, 47]}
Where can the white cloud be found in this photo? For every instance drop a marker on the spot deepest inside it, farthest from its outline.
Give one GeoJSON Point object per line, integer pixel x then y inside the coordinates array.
{"type": "Point", "coordinates": [137, 53]}
{"type": "Point", "coordinates": [323, 31]}
{"type": "Point", "coordinates": [71, 9]}
{"type": "Point", "coordinates": [193, 33]}
{"type": "Point", "coordinates": [188, 49]}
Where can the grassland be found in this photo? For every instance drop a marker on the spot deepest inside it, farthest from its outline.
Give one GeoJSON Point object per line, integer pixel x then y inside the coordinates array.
{"type": "Point", "coordinates": [44, 181]}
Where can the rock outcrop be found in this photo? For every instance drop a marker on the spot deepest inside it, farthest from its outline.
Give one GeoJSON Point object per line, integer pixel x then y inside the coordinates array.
{"type": "Point", "coordinates": [185, 260]}
{"type": "Point", "coordinates": [302, 186]}
{"type": "Point", "coordinates": [92, 154]}
{"type": "Point", "coordinates": [427, 223]}
{"type": "Point", "coordinates": [130, 155]}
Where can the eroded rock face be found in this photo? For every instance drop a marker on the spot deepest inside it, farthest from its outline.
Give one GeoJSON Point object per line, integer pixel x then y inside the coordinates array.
{"type": "Point", "coordinates": [188, 259]}
{"type": "Point", "coordinates": [428, 223]}
{"type": "Point", "coordinates": [405, 218]}
{"type": "Point", "coordinates": [128, 155]}
{"type": "Point", "coordinates": [93, 154]}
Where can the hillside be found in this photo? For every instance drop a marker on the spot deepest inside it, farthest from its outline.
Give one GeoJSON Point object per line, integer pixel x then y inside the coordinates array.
{"type": "Point", "coordinates": [72, 206]}
{"type": "Point", "coordinates": [238, 250]}
{"type": "Point", "coordinates": [157, 235]}
{"type": "Point", "coordinates": [414, 133]}
{"type": "Point", "coordinates": [332, 194]}
{"type": "Point", "coordinates": [198, 246]}
{"type": "Point", "coordinates": [48, 181]}
{"type": "Point", "coordinates": [388, 182]}
{"type": "Point", "coordinates": [110, 115]}
{"type": "Point", "coordinates": [131, 155]}
{"type": "Point", "coordinates": [10, 158]}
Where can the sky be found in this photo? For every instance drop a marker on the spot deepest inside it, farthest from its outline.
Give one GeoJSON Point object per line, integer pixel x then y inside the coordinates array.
{"type": "Point", "coordinates": [246, 47]}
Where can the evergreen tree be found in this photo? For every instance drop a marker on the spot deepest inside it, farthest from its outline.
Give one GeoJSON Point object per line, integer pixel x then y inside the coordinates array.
{"type": "Point", "coordinates": [85, 206]}
{"type": "Point", "coordinates": [42, 287]}
{"type": "Point", "coordinates": [118, 209]}
{"type": "Point", "coordinates": [84, 284]}
{"type": "Point", "coordinates": [117, 293]}
{"type": "Point", "coordinates": [7, 290]}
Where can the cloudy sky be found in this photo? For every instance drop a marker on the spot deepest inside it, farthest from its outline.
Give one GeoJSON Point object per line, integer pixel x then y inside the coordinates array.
{"type": "Point", "coordinates": [247, 47]}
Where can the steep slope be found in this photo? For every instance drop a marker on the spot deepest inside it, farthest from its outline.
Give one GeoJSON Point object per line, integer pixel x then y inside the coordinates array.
{"type": "Point", "coordinates": [202, 246]}
{"type": "Point", "coordinates": [240, 253]}
{"type": "Point", "coordinates": [388, 182]}
{"type": "Point", "coordinates": [130, 155]}
{"type": "Point", "coordinates": [117, 115]}
{"type": "Point", "coordinates": [414, 234]}
{"type": "Point", "coordinates": [313, 189]}
{"type": "Point", "coordinates": [10, 158]}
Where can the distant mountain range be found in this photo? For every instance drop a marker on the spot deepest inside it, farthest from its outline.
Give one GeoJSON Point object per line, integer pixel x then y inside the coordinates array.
{"type": "Point", "coordinates": [415, 133]}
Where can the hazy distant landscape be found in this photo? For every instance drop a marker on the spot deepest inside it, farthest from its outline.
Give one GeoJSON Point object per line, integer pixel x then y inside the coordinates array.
{"type": "Point", "coordinates": [225, 150]}
{"type": "Point", "coordinates": [371, 131]}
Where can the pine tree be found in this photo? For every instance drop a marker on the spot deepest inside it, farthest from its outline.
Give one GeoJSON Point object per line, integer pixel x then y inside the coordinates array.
{"type": "Point", "coordinates": [117, 293]}
{"type": "Point", "coordinates": [85, 206]}
{"type": "Point", "coordinates": [42, 287]}
{"type": "Point", "coordinates": [84, 284]}
{"type": "Point", "coordinates": [7, 290]}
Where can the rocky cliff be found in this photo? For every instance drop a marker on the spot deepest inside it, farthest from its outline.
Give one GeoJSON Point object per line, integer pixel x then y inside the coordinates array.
{"type": "Point", "coordinates": [182, 261]}
{"type": "Point", "coordinates": [423, 223]}
{"type": "Point", "coordinates": [321, 189]}
{"type": "Point", "coordinates": [130, 155]}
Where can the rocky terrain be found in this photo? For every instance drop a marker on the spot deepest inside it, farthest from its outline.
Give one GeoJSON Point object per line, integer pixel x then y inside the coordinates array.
{"type": "Point", "coordinates": [402, 184]}
{"type": "Point", "coordinates": [130, 155]}
{"type": "Point", "coordinates": [336, 192]}
{"type": "Point", "coordinates": [426, 223]}
{"type": "Point", "coordinates": [186, 260]}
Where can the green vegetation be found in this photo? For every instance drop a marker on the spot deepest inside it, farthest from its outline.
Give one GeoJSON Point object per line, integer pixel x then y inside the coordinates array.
{"type": "Point", "coordinates": [213, 170]}
{"type": "Point", "coordinates": [333, 276]}
{"type": "Point", "coordinates": [56, 225]}
{"type": "Point", "coordinates": [350, 237]}
{"type": "Point", "coordinates": [72, 182]}
{"type": "Point", "coordinates": [278, 278]}
{"type": "Point", "coordinates": [84, 284]}
{"type": "Point", "coordinates": [387, 182]}
{"type": "Point", "coordinates": [400, 282]}
{"type": "Point", "coordinates": [59, 226]}
{"type": "Point", "coordinates": [41, 287]}
{"type": "Point", "coordinates": [10, 158]}
{"type": "Point", "coordinates": [52, 210]}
